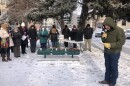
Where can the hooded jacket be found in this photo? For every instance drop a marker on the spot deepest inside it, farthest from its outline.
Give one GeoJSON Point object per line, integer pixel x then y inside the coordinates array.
{"type": "Point", "coordinates": [115, 36]}
{"type": "Point", "coordinates": [88, 32]}
{"type": "Point", "coordinates": [43, 36]}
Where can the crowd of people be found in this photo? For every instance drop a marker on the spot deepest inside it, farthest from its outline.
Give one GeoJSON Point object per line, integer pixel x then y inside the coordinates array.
{"type": "Point", "coordinates": [16, 39]}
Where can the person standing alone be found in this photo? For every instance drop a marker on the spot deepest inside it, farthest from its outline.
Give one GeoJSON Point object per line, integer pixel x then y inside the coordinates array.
{"type": "Point", "coordinates": [88, 32]}
{"type": "Point", "coordinates": [113, 39]}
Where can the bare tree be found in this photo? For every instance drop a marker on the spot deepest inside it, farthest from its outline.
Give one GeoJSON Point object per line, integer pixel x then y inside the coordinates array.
{"type": "Point", "coordinates": [18, 8]}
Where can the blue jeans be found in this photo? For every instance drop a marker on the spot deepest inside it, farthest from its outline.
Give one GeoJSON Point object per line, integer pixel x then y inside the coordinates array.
{"type": "Point", "coordinates": [111, 64]}
{"type": "Point", "coordinates": [54, 44]}
{"type": "Point", "coordinates": [44, 45]}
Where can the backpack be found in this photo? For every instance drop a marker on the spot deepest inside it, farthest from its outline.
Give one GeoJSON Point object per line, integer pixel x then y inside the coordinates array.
{"type": "Point", "coordinates": [4, 42]}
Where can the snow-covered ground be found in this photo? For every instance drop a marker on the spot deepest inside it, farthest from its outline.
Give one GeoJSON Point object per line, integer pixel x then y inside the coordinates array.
{"type": "Point", "coordinates": [28, 70]}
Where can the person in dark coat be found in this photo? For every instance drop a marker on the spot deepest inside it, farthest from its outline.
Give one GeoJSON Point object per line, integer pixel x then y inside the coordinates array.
{"type": "Point", "coordinates": [73, 35]}
{"type": "Point", "coordinates": [24, 39]}
{"type": "Point", "coordinates": [88, 32]}
{"type": "Point", "coordinates": [17, 42]}
{"type": "Point", "coordinates": [33, 38]}
{"type": "Point", "coordinates": [53, 34]}
{"type": "Point", "coordinates": [66, 33]}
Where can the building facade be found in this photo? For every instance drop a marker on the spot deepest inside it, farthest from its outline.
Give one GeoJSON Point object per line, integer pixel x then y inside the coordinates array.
{"type": "Point", "coordinates": [96, 23]}
{"type": "Point", "coordinates": [3, 8]}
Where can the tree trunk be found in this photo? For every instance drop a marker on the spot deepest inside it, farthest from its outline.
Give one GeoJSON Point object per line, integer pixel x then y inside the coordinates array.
{"type": "Point", "coordinates": [84, 15]}
{"type": "Point", "coordinates": [61, 24]}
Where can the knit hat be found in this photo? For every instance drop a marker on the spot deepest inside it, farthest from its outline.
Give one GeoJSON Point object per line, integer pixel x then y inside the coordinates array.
{"type": "Point", "coordinates": [23, 24]}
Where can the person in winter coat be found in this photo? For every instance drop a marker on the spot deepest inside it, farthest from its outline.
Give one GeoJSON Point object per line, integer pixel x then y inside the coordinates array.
{"type": "Point", "coordinates": [33, 38]}
{"type": "Point", "coordinates": [113, 40]}
{"type": "Point", "coordinates": [24, 40]}
{"type": "Point", "coordinates": [88, 32]}
{"type": "Point", "coordinates": [43, 36]}
{"type": "Point", "coordinates": [10, 30]}
{"type": "Point", "coordinates": [73, 35]}
{"type": "Point", "coordinates": [17, 42]}
{"type": "Point", "coordinates": [66, 33]}
{"type": "Point", "coordinates": [53, 34]}
{"type": "Point", "coordinates": [6, 43]}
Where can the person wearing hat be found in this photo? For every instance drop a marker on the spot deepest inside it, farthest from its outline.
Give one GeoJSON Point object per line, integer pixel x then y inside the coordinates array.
{"type": "Point", "coordinates": [24, 40]}
{"type": "Point", "coordinates": [113, 39]}
{"type": "Point", "coordinates": [6, 43]}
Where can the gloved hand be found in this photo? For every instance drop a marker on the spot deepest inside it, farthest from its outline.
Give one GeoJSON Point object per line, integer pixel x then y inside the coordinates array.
{"type": "Point", "coordinates": [107, 45]}
{"type": "Point", "coordinates": [104, 35]}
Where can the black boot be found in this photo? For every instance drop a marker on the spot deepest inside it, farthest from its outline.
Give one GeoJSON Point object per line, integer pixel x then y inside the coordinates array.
{"type": "Point", "coordinates": [8, 57]}
{"type": "Point", "coordinates": [3, 58]}
{"type": "Point", "coordinates": [111, 85]}
{"type": "Point", "coordinates": [104, 82]}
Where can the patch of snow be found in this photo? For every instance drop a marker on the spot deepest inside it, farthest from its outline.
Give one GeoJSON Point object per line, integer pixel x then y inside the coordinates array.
{"type": "Point", "coordinates": [28, 71]}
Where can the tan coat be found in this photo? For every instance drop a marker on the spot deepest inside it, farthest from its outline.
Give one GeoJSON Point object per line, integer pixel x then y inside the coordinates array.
{"type": "Point", "coordinates": [4, 34]}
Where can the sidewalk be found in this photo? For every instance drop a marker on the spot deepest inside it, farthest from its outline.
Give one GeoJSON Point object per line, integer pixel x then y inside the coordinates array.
{"type": "Point", "coordinates": [29, 71]}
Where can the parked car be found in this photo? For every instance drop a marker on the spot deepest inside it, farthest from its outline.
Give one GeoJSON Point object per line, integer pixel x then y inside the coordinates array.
{"type": "Point", "coordinates": [127, 33]}
{"type": "Point", "coordinates": [98, 32]}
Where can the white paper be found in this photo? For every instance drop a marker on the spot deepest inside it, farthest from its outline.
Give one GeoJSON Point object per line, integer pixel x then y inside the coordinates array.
{"type": "Point", "coordinates": [24, 37]}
